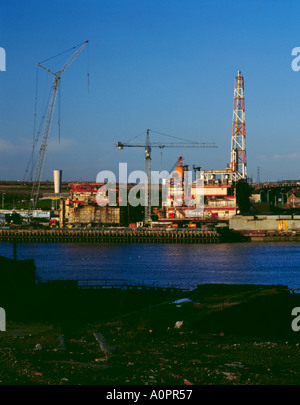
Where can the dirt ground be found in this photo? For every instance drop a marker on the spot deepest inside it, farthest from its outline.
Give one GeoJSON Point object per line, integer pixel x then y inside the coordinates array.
{"type": "Point", "coordinates": [211, 337]}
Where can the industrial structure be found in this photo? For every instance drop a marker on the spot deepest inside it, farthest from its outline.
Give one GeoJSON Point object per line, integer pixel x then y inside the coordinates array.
{"type": "Point", "coordinates": [217, 191]}
{"type": "Point", "coordinates": [181, 207]}
{"type": "Point", "coordinates": [148, 145]}
{"type": "Point", "coordinates": [47, 127]}
{"type": "Point", "coordinates": [83, 207]}
{"type": "Point", "coordinates": [238, 161]}
{"type": "Point", "coordinates": [273, 208]}
{"type": "Point", "coordinates": [218, 186]}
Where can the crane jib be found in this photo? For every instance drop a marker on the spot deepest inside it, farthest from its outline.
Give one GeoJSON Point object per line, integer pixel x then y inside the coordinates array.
{"type": "Point", "coordinates": [148, 145]}
{"type": "Point", "coordinates": [43, 147]}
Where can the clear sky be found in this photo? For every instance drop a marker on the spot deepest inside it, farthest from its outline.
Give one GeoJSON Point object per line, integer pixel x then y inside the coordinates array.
{"type": "Point", "coordinates": [167, 65]}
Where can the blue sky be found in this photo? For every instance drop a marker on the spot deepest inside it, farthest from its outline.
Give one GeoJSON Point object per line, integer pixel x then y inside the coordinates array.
{"type": "Point", "coordinates": [167, 65]}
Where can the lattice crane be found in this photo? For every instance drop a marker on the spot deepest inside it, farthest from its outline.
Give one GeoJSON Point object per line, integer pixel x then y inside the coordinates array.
{"type": "Point", "coordinates": [43, 148]}
{"type": "Point", "coordinates": [148, 145]}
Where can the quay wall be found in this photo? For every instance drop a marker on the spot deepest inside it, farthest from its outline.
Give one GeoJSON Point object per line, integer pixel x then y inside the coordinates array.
{"type": "Point", "coordinates": [281, 223]}
{"type": "Point", "coordinates": [110, 236]}
{"type": "Point", "coordinates": [267, 228]}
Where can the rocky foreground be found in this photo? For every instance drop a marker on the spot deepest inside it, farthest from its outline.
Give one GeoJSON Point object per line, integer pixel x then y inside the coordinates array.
{"type": "Point", "coordinates": [214, 335]}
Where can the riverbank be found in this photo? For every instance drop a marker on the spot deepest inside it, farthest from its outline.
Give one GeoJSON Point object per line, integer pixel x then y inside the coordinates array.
{"type": "Point", "coordinates": [215, 334]}
{"type": "Point", "coordinates": [144, 235]}
{"type": "Point", "coordinates": [121, 235]}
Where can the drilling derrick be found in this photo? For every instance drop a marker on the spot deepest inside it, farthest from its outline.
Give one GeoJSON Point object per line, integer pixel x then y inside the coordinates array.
{"type": "Point", "coordinates": [238, 161]}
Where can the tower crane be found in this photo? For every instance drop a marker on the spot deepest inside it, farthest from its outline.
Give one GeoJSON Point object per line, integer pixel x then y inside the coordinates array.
{"type": "Point", "coordinates": [148, 145]}
{"type": "Point", "coordinates": [43, 148]}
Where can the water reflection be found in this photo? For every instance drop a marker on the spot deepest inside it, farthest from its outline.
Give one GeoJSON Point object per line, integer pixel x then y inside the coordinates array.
{"type": "Point", "coordinates": [250, 263]}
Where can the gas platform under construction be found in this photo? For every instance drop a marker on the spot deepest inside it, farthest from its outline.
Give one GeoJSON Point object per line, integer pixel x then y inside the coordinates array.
{"type": "Point", "coordinates": [218, 187]}
{"type": "Point", "coordinates": [79, 207]}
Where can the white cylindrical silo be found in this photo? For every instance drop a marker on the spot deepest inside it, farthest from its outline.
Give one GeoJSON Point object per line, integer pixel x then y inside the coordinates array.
{"type": "Point", "coordinates": [57, 174]}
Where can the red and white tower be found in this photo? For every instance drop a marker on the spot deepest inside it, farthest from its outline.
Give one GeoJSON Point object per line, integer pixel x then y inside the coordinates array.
{"type": "Point", "coordinates": [238, 160]}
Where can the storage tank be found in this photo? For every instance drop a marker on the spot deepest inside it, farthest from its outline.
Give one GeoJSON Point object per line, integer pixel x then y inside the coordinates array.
{"type": "Point", "coordinates": [57, 174]}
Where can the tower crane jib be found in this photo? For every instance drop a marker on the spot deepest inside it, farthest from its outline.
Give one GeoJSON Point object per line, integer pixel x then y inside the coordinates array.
{"type": "Point", "coordinates": [148, 145]}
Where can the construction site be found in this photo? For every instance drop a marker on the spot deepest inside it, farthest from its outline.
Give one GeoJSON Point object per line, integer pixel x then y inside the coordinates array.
{"type": "Point", "coordinates": [79, 204]}
{"type": "Point", "coordinates": [218, 187]}
{"type": "Point", "coordinates": [139, 251]}
{"type": "Point", "coordinates": [195, 198]}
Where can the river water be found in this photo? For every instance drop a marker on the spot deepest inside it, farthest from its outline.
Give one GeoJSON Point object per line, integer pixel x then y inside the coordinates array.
{"type": "Point", "coordinates": [165, 264]}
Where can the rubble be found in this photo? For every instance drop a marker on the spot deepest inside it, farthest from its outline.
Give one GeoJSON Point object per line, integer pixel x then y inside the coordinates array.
{"type": "Point", "coordinates": [201, 352]}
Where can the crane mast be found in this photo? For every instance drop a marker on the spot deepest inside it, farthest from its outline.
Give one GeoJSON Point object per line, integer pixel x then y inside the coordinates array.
{"type": "Point", "coordinates": [43, 148]}
{"type": "Point", "coordinates": [41, 158]}
{"type": "Point", "coordinates": [148, 177]}
{"type": "Point", "coordinates": [148, 145]}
